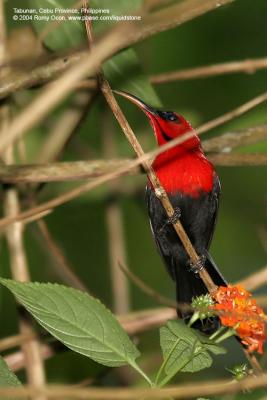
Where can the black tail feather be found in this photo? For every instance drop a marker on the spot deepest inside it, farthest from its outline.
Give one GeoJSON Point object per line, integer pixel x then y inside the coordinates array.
{"type": "Point", "coordinates": [190, 285]}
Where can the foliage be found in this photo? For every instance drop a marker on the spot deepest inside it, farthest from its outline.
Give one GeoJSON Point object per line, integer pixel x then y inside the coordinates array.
{"type": "Point", "coordinates": [84, 325]}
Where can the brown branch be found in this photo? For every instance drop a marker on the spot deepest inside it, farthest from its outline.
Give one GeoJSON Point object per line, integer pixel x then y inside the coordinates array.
{"type": "Point", "coordinates": [16, 361]}
{"type": "Point", "coordinates": [64, 127]}
{"type": "Point", "coordinates": [262, 232]}
{"type": "Point", "coordinates": [247, 66]}
{"type": "Point", "coordinates": [80, 170]}
{"type": "Point", "coordinates": [141, 321]}
{"type": "Point", "coordinates": [19, 268]}
{"type": "Point", "coordinates": [183, 391]}
{"type": "Point", "coordinates": [147, 289]}
{"type": "Point", "coordinates": [52, 69]}
{"type": "Point", "coordinates": [228, 141]}
{"type": "Point", "coordinates": [59, 171]}
{"type": "Point", "coordinates": [116, 236]}
{"type": "Point", "coordinates": [41, 74]}
{"type": "Point", "coordinates": [239, 159]}
{"type": "Point", "coordinates": [255, 280]}
{"type": "Point", "coordinates": [16, 340]}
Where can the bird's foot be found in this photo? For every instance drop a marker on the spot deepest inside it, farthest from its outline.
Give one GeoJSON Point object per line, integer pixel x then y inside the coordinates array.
{"type": "Point", "coordinates": [198, 266]}
{"type": "Point", "coordinates": [175, 216]}
{"type": "Point", "coordinates": [173, 219]}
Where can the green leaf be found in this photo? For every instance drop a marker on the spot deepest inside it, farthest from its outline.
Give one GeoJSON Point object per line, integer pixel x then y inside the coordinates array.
{"type": "Point", "coordinates": [71, 32]}
{"type": "Point", "coordinates": [209, 344]}
{"type": "Point", "coordinates": [124, 72]}
{"type": "Point", "coordinates": [184, 349]}
{"type": "Point", "coordinates": [7, 378]}
{"type": "Point", "coordinates": [78, 320]}
{"type": "Point", "coordinates": [65, 34]}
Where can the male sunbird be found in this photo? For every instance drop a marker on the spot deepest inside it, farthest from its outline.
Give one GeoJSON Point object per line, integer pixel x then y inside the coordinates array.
{"type": "Point", "coordinates": [193, 187]}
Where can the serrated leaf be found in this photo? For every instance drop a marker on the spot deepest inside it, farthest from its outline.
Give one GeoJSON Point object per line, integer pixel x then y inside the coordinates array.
{"type": "Point", "coordinates": [124, 72]}
{"type": "Point", "coordinates": [185, 349]}
{"type": "Point", "coordinates": [182, 351]}
{"type": "Point", "coordinates": [78, 320]}
{"type": "Point", "coordinates": [7, 378]}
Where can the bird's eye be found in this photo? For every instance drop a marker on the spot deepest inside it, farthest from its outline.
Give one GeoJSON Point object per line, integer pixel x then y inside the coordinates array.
{"type": "Point", "coordinates": [168, 115]}
{"type": "Point", "coordinates": [172, 117]}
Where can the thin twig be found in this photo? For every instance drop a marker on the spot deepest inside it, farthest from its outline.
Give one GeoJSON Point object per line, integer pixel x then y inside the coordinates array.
{"type": "Point", "coordinates": [228, 141]}
{"type": "Point", "coordinates": [81, 170]}
{"type": "Point", "coordinates": [64, 127]}
{"type": "Point", "coordinates": [248, 66]}
{"type": "Point", "coordinates": [52, 69]}
{"type": "Point", "coordinates": [16, 361]}
{"type": "Point", "coordinates": [183, 391]}
{"type": "Point", "coordinates": [19, 268]}
{"type": "Point", "coordinates": [60, 171]}
{"type": "Point", "coordinates": [64, 270]}
{"type": "Point", "coordinates": [15, 340]}
{"type": "Point", "coordinates": [42, 74]}
{"type": "Point", "coordinates": [263, 237]}
{"type": "Point", "coordinates": [159, 298]}
{"type": "Point", "coordinates": [116, 241]}
{"type": "Point", "coordinates": [239, 159]}
{"type": "Point", "coordinates": [255, 280]}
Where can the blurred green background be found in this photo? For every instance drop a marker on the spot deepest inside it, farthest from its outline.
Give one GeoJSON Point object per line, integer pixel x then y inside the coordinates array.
{"type": "Point", "coordinates": [235, 32]}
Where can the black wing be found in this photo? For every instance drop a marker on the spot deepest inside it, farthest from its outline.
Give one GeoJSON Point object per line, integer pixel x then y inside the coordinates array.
{"type": "Point", "coordinates": [198, 217]}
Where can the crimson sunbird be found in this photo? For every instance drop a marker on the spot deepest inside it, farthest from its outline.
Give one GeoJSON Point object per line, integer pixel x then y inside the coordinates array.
{"type": "Point", "coordinates": [193, 187]}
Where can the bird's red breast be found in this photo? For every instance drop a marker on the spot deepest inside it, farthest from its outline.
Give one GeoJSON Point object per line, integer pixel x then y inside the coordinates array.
{"type": "Point", "coordinates": [184, 168]}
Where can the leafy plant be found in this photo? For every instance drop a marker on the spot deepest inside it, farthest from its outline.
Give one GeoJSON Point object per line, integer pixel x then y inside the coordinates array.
{"type": "Point", "coordinates": [86, 326]}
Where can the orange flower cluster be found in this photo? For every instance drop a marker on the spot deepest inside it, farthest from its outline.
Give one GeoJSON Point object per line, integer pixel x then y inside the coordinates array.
{"type": "Point", "coordinates": [239, 311]}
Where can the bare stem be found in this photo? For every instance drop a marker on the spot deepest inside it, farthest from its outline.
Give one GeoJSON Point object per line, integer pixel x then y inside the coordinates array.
{"type": "Point", "coordinates": [63, 267]}
{"type": "Point", "coordinates": [248, 66]}
{"type": "Point", "coordinates": [182, 391]}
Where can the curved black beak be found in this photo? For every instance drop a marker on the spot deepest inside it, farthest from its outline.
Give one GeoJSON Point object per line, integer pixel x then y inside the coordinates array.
{"type": "Point", "coordinates": [147, 109]}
